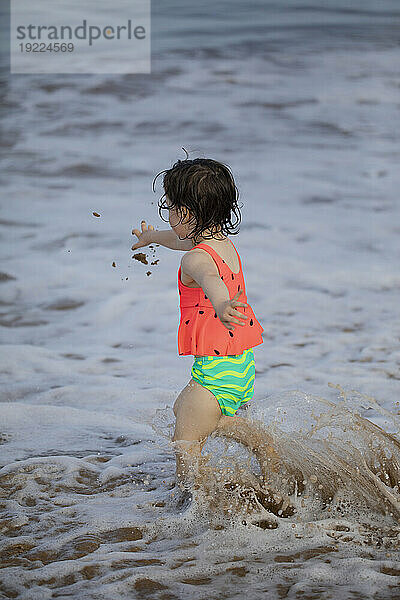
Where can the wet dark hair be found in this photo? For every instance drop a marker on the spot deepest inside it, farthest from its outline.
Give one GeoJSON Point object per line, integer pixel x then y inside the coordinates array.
{"type": "Point", "coordinates": [208, 190]}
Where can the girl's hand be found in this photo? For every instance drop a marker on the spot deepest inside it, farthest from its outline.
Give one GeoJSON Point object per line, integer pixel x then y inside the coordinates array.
{"type": "Point", "coordinates": [144, 237]}
{"type": "Point", "coordinates": [227, 312]}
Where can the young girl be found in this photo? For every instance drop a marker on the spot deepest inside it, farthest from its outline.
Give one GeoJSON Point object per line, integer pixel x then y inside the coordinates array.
{"type": "Point", "coordinates": [217, 325]}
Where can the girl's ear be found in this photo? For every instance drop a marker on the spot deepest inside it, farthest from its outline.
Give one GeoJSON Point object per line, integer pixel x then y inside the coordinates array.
{"type": "Point", "coordinates": [186, 217]}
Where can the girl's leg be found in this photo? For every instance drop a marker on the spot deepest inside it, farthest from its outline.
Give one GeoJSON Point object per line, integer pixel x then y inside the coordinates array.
{"type": "Point", "coordinates": [254, 437]}
{"type": "Point", "coordinates": [197, 416]}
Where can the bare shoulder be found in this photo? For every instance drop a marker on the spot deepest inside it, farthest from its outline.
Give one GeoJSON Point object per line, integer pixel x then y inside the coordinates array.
{"type": "Point", "coordinates": [198, 263]}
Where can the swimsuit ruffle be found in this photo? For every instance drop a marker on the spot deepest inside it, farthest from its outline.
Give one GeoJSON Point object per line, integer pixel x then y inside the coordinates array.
{"type": "Point", "coordinates": [201, 333]}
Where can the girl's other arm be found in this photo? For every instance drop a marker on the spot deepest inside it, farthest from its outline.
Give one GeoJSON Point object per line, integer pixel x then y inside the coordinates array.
{"type": "Point", "coordinates": [167, 238]}
{"type": "Point", "coordinates": [202, 269]}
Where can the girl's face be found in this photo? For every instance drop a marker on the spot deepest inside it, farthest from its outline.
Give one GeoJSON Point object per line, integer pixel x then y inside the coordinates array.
{"type": "Point", "coordinates": [179, 222]}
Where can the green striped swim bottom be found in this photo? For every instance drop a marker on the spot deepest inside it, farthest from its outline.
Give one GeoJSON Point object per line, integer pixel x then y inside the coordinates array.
{"type": "Point", "coordinates": [229, 378]}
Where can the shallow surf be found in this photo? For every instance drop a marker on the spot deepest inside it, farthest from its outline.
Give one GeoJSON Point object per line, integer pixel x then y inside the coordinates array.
{"type": "Point", "coordinates": [112, 523]}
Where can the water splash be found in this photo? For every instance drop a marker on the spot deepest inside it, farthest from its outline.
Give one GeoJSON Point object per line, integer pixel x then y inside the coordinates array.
{"type": "Point", "coordinates": [333, 463]}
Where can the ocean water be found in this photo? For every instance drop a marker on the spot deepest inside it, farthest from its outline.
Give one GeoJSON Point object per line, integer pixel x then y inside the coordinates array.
{"type": "Point", "coordinates": [301, 100]}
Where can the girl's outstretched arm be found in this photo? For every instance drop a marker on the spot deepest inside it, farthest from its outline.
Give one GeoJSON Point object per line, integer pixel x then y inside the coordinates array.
{"type": "Point", "coordinates": [166, 237]}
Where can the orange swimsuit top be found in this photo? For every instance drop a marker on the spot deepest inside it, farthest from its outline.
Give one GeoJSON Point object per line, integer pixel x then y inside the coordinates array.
{"type": "Point", "coordinates": [200, 331]}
